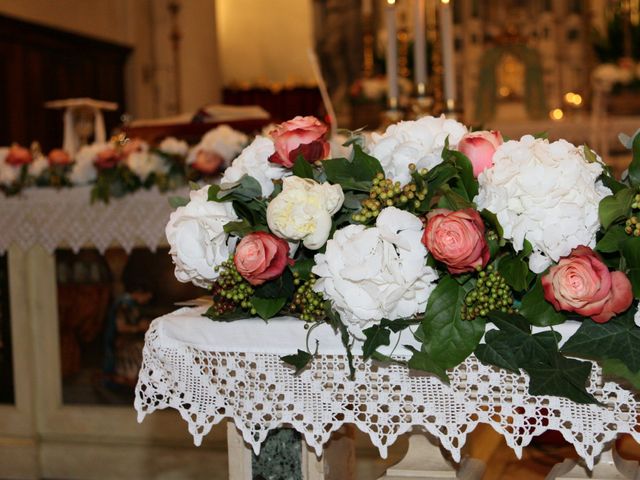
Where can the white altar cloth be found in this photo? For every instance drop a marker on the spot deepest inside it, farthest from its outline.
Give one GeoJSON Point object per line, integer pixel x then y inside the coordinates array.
{"type": "Point", "coordinates": [211, 370]}
{"type": "Point", "coordinates": [56, 218]}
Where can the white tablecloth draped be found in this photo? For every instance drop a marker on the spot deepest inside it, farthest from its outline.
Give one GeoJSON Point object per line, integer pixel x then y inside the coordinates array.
{"type": "Point", "coordinates": [210, 370]}
{"type": "Point", "coordinates": [66, 217]}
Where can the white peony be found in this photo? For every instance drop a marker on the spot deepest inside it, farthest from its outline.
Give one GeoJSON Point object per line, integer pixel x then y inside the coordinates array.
{"type": "Point", "coordinates": [373, 273]}
{"type": "Point", "coordinates": [143, 164]}
{"type": "Point", "coordinates": [173, 146]}
{"type": "Point", "coordinates": [8, 173]}
{"type": "Point", "coordinates": [254, 161]}
{"type": "Point", "coordinates": [547, 193]}
{"type": "Point", "coordinates": [418, 141]}
{"type": "Point", "coordinates": [223, 140]}
{"type": "Point", "coordinates": [38, 166]}
{"type": "Point", "coordinates": [197, 238]}
{"type": "Point", "coordinates": [84, 170]}
{"type": "Point", "coordinates": [303, 210]}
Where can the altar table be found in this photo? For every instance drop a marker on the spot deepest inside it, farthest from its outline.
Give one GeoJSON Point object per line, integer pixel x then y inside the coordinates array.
{"type": "Point", "coordinates": [210, 371]}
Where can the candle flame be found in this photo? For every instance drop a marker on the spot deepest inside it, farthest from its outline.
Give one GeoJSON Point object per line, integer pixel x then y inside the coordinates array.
{"type": "Point", "coordinates": [391, 2]}
{"type": "Point", "coordinates": [445, 1]}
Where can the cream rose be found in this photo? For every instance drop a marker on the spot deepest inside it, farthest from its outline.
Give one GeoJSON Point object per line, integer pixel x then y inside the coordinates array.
{"type": "Point", "coordinates": [173, 146]}
{"type": "Point", "coordinates": [303, 210]}
{"type": "Point", "coordinates": [143, 164]}
{"type": "Point", "coordinates": [197, 238]}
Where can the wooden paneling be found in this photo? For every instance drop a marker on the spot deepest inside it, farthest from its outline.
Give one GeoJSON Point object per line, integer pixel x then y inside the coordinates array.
{"type": "Point", "coordinates": [38, 64]}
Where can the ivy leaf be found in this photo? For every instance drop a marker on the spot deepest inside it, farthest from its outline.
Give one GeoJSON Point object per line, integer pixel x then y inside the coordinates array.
{"type": "Point", "coordinates": [492, 219]}
{"type": "Point", "coordinates": [398, 325]}
{"type": "Point", "coordinates": [302, 168]}
{"type": "Point", "coordinates": [303, 267]}
{"type": "Point", "coordinates": [634, 168]}
{"type": "Point", "coordinates": [375, 336]}
{"type": "Point", "coordinates": [615, 207]}
{"type": "Point", "coordinates": [497, 351]}
{"type": "Point", "coordinates": [562, 377]}
{"type": "Point", "coordinates": [242, 228]}
{"type": "Point", "coordinates": [611, 240]}
{"type": "Point", "coordinates": [448, 338]}
{"type": "Point", "coordinates": [436, 178]}
{"type": "Point", "coordinates": [611, 183]}
{"type": "Point", "coordinates": [178, 201]}
{"type": "Point", "coordinates": [422, 361]}
{"type": "Point", "coordinates": [246, 189]}
{"type": "Point", "coordinates": [631, 252]}
{"type": "Point", "coordinates": [365, 167]}
{"type": "Point", "coordinates": [299, 360]}
{"type": "Point", "coordinates": [617, 339]}
{"type": "Point", "coordinates": [453, 200]}
{"type": "Point", "coordinates": [515, 272]}
{"type": "Point", "coordinates": [537, 310]}
{"type": "Point", "coordinates": [267, 307]}
{"type": "Point", "coordinates": [618, 370]}
{"type": "Point", "coordinates": [281, 286]}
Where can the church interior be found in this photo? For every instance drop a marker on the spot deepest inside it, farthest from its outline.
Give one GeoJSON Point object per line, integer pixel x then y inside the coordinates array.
{"type": "Point", "coordinates": [75, 72]}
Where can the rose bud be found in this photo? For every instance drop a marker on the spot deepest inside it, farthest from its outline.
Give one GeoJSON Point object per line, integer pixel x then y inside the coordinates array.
{"type": "Point", "coordinates": [302, 136]}
{"type": "Point", "coordinates": [207, 162]}
{"type": "Point", "coordinates": [456, 239]}
{"type": "Point", "coordinates": [107, 158]}
{"type": "Point", "coordinates": [479, 148]}
{"type": "Point", "coordinates": [261, 256]}
{"type": "Point", "coordinates": [57, 156]}
{"type": "Point", "coordinates": [18, 155]}
{"type": "Point", "coordinates": [583, 284]}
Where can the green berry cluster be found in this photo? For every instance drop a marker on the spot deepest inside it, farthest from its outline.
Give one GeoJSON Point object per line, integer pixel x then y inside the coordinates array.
{"type": "Point", "coordinates": [387, 193]}
{"type": "Point", "coordinates": [306, 302]}
{"type": "Point", "coordinates": [632, 226]}
{"type": "Point", "coordinates": [491, 293]}
{"type": "Point", "coordinates": [230, 290]}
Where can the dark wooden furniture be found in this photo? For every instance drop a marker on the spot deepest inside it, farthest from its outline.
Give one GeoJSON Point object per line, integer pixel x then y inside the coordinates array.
{"type": "Point", "coordinates": [281, 104]}
{"type": "Point", "coordinates": [39, 63]}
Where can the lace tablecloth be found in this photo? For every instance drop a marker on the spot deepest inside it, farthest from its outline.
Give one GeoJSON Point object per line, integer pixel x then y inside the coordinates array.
{"type": "Point", "coordinates": [210, 370]}
{"type": "Point", "coordinates": [66, 218]}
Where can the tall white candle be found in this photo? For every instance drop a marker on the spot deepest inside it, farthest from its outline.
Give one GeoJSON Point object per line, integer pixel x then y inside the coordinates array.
{"type": "Point", "coordinates": [419, 47]}
{"type": "Point", "coordinates": [392, 53]}
{"type": "Point", "coordinates": [446, 36]}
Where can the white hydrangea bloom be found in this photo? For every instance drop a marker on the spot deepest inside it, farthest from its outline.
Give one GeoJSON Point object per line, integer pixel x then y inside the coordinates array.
{"type": "Point", "coordinates": [223, 140]}
{"type": "Point", "coordinates": [143, 164]}
{"type": "Point", "coordinates": [373, 273]}
{"type": "Point", "coordinates": [417, 141]}
{"type": "Point", "coordinates": [84, 170]}
{"type": "Point", "coordinates": [254, 161]}
{"type": "Point", "coordinates": [173, 146]}
{"type": "Point", "coordinates": [636, 317]}
{"type": "Point", "coordinates": [8, 173]}
{"type": "Point", "coordinates": [547, 193]}
{"type": "Point", "coordinates": [197, 238]}
{"type": "Point", "coordinates": [39, 165]}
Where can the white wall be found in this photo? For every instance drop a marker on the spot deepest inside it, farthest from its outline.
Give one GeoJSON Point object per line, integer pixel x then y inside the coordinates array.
{"type": "Point", "coordinates": [265, 40]}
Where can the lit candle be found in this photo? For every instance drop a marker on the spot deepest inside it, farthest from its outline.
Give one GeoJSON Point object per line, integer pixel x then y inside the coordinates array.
{"type": "Point", "coordinates": [392, 54]}
{"type": "Point", "coordinates": [419, 48]}
{"type": "Point", "coordinates": [446, 36]}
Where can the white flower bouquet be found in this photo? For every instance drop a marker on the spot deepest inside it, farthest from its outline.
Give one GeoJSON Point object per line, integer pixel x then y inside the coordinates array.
{"type": "Point", "coordinates": [464, 240]}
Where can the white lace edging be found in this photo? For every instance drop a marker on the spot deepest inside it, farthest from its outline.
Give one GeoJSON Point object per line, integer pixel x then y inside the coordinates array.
{"type": "Point", "coordinates": [260, 393]}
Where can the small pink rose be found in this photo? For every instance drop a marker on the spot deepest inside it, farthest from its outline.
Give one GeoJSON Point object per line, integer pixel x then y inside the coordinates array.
{"type": "Point", "coordinates": [18, 156]}
{"type": "Point", "coordinates": [108, 158]}
{"type": "Point", "coordinates": [57, 156]}
{"type": "Point", "coordinates": [456, 239]}
{"type": "Point", "coordinates": [479, 148]}
{"type": "Point", "coordinates": [582, 283]}
{"type": "Point", "coordinates": [261, 256]}
{"type": "Point", "coordinates": [301, 136]}
{"type": "Point", "coordinates": [207, 163]}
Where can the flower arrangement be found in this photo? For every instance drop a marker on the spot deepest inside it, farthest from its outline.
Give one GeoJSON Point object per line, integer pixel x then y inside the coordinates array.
{"type": "Point", "coordinates": [467, 243]}
{"type": "Point", "coordinates": [121, 166]}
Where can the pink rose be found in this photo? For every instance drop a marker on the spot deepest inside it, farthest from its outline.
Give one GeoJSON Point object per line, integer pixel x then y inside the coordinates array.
{"type": "Point", "coordinates": [581, 283]}
{"type": "Point", "coordinates": [132, 146]}
{"type": "Point", "coordinates": [18, 155]}
{"type": "Point", "coordinates": [261, 256]}
{"type": "Point", "coordinates": [207, 163]}
{"type": "Point", "coordinates": [108, 158]}
{"type": "Point", "coordinates": [456, 239]}
{"type": "Point", "coordinates": [479, 148]}
{"type": "Point", "coordinates": [302, 136]}
{"type": "Point", "coordinates": [57, 156]}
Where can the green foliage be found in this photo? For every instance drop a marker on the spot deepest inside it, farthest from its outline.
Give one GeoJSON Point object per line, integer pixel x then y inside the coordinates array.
{"type": "Point", "coordinates": [375, 336]}
{"type": "Point", "coordinates": [513, 347]}
{"type": "Point", "coordinates": [302, 168]}
{"type": "Point", "coordinates": [634, 168]}
{"type": "Point", "coordinates": [280, 287]}
{"type": "Point", "coordinates": [631, 253]}
{"type": "Point", "coordinates": [615, 207]}
{"type": "Point", "coordinates": [177, 201]}
{"type": "Point", "coordinates": [515, 272]}
{"type": "Point", "coordinates": [299, 360]}
{"type": "Point", "coordinates": [619, 371]}
{"type": "Point", "coordinates": [267, 307]}
{"type": "Point", "coordinates": [612, 239]}
{"type": "Point", "coordinates": [353, 175]}
{"type": "Point", "coordinates": [617, 339]}
{"type": "Point", "coordinates": [537, 310]}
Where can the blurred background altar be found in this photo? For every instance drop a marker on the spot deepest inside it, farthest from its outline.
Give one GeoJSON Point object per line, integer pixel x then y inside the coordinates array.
{"type": "Point", "coordinates": [181, 67]}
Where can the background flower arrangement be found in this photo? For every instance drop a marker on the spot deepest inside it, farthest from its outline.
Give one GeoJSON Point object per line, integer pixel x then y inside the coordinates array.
{"type": "Point", "coordinates": [470, 244]}
{"type": "Point", "coordinates": [121, 166]}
